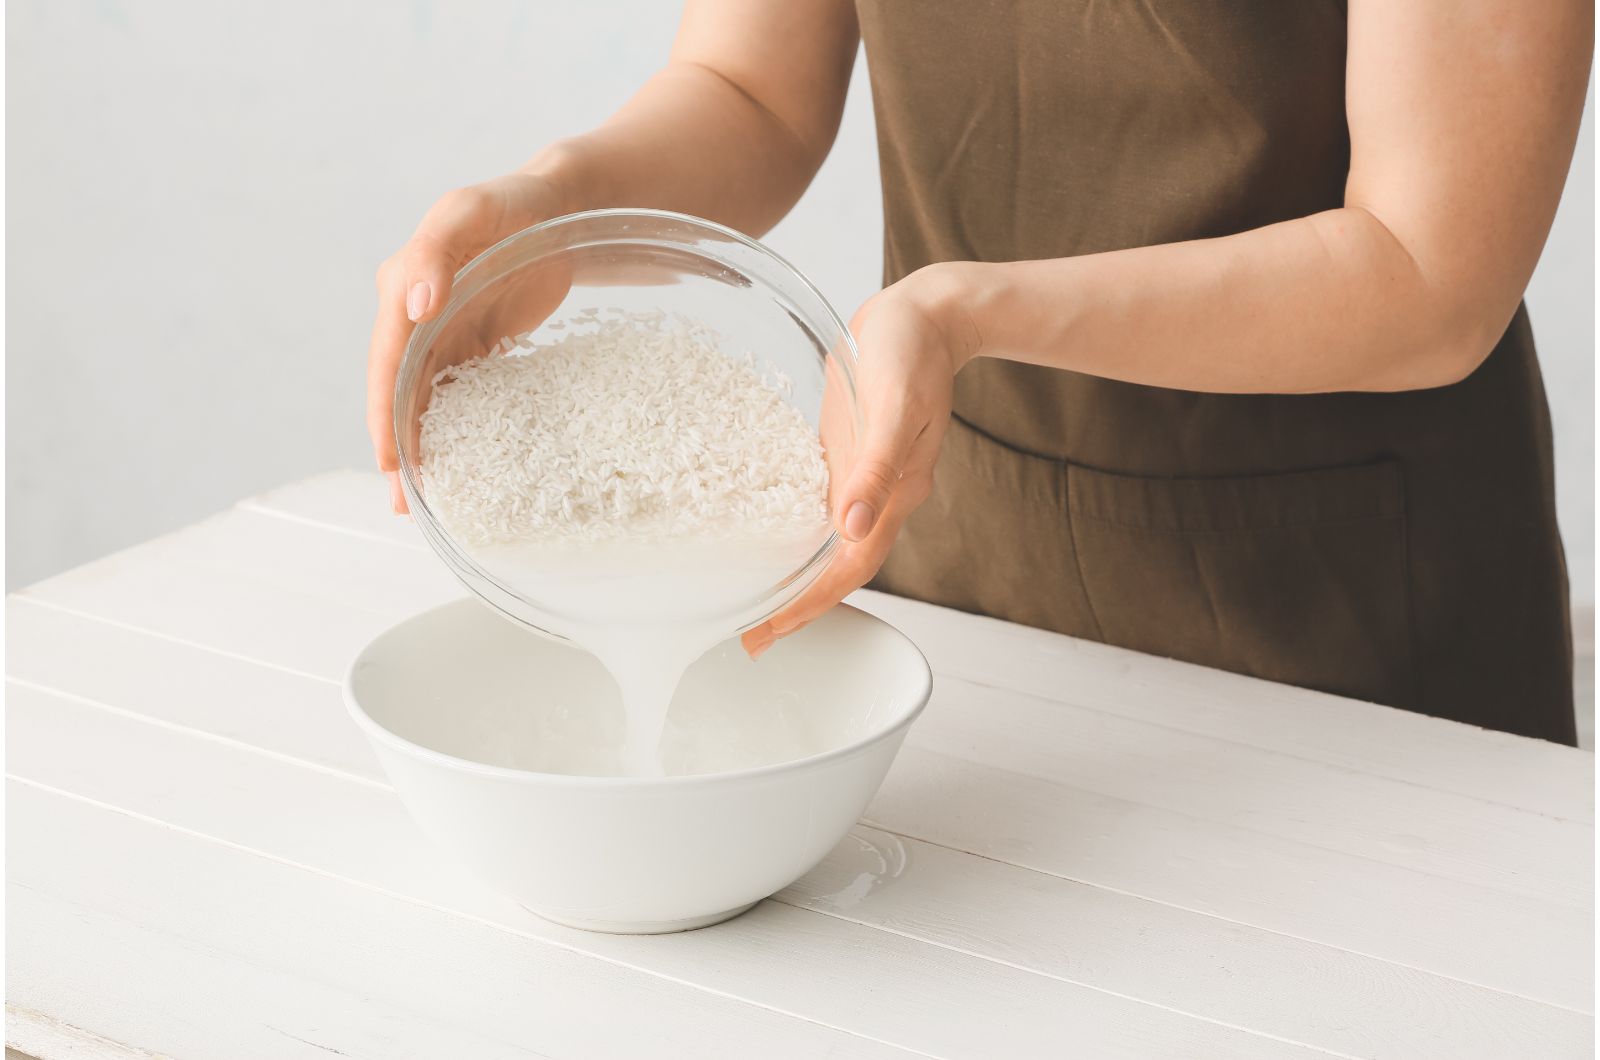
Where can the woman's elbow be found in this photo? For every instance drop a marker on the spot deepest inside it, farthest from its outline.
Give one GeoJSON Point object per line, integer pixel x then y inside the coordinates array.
{"type": "Point", "coordinates": [1476, 334]}
{"type": "Point", "coordinates": [1450, 349]}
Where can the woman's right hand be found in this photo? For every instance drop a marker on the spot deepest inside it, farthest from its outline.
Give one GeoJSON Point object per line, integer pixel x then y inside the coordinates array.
{"type": "Point", "coordinates": [414, 283]}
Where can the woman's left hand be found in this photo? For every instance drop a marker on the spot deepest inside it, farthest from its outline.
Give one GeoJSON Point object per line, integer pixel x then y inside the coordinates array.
{"type": "Point", "coordinates": [912, 339]}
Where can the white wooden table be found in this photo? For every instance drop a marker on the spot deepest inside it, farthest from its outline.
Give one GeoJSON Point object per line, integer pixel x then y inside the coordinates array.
{"type": "Point", "coordinates": [1081, 851]}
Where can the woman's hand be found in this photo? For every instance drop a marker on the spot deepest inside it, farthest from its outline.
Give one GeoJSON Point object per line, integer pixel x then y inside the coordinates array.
{"type": "Point", "coordinates": [414, 284]}
{"type": "Point", "coordinates": [913, 337]}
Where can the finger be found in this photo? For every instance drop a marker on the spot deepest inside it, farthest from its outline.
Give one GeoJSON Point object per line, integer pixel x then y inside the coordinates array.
{"type": "Point", "coordinates": [849, 571]}
{"type": "Point", "coordinates": [397, 495]}
{"type": "Point", "coordinates": [427, 283]}
{"type": "Point", "coordinates": [756, 641]}
{"type": "Point", "coordinates": [390, 332]}
{"type": "Point", "coordinates": [844, 576]}
{"type": "Point", "coordinates": [892, 430]}
{"type": "Point", "coordinates": [457, 227]}
{"type": "Point", "coordinates": [413, 287]}
{"type": "Point", "coordinates": [857, 562]}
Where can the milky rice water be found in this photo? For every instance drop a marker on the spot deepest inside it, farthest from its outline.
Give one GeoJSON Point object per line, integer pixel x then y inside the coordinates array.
{"type": "Point", "coordinates": [634, 481]}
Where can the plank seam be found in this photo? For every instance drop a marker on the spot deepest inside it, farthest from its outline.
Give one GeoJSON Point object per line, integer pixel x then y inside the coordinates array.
{"type": "Point", "coordinates": [214, 737]}
{"type": "Point", "coordinates": [1072, 982]}
{"type": "Point", "coordinates": [254, 505]}
{"type": "Point", "coordinates": [1337, 767]}
{"type": "Point", "coordinates": [1571, 904]}
{"type": "Point", "coordinates": [1228, 920]}
{"type": "Point", "coordinates": [67, 609]}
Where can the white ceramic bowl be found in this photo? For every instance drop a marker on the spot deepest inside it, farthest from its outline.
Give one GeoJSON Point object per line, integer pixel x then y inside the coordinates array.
{"type": "Point", "coordinates": [465, 708]}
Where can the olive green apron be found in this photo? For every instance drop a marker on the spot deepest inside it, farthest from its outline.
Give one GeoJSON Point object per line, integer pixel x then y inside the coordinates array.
{"type": "Point", "coordinates": [1400, 548]}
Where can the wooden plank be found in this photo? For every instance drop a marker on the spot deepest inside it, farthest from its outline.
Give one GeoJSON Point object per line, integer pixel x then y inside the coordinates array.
{"type": "Point", "coordinates": [878, 985]}
{"type": "Point", "coordinates": [1522, 946]}
{"type": "Point", "coordinates": [1283, 885]}
{"type": "Point", "coordinates": [1184, 961]}
{"type": "Point", "coordinates": [386, 577]}
{"type": "Point", "coordinates": [353, 501]}
{"type": "Point", "coordinates": [1430, 752]}
{"type": "Point", "coordinates": [185, 947]}
{"type": "Point", "coordinates": [1402, 746]}
{"type": "Point", "coordinates": [151, 587]}
{"type": "Point", "coordinates": [1324, 997]}
{"type": "Point", "coordinates": [1440, 833]}
{"type": "Point", "coordinates": [176, 683]}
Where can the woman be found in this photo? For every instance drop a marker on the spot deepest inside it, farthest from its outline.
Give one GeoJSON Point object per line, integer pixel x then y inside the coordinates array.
{"type": "Point", "coordinates": [1202, 330]}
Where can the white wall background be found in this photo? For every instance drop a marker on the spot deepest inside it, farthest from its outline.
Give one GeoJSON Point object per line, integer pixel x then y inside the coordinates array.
{"type": "Point", "coordinates": [199, 193]}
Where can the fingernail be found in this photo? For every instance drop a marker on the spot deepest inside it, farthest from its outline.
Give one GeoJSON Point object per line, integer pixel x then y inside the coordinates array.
{"type": "Point", "coordinates": [397, 496]}
{"type": "Point", "coordinates": [858, 520]}
{"type": "Point", "coordinates": [417, 300]}
{"type": "Point", "coordinates": [758, 640]}
{"type": "Point", "coordinates": [790, 630]}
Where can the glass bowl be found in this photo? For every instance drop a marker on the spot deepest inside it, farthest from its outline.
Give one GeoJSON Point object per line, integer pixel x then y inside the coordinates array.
{"type": "Point", "coordinates": [546, 281]}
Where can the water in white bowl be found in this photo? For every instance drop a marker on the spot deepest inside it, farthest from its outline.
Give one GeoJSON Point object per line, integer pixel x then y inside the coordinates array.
{"type": "Point", "coordinates": [647, 612]}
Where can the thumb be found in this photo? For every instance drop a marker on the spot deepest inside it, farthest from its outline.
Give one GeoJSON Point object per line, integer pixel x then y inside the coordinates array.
{"type": "Point", "coordinates": [428, 267]}
{"type": "Point", "coordinates": [459, 225]}
{"type": "Point", "coordinates": [875, 476]}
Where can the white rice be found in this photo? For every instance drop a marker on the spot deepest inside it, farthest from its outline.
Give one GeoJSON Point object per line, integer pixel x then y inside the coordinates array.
{"type": "Point", "coordinates": [628, 427]}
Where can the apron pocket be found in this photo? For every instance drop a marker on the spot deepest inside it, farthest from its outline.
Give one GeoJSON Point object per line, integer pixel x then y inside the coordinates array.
{"type": "Point", "coordinates": [993, 538]}
{"type": "Point", "coordinates": [1298, 577]}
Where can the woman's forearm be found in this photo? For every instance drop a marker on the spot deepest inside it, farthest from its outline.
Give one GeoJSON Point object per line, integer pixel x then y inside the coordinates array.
{"type": "Point", "coordinates": [733, 128]}
{"type": "Point", "coordinates": [1327, 302]}
{"type": "Point", "coordinates": [688, 141]}
{"type": "Point", "coordinates": [1462, 117]}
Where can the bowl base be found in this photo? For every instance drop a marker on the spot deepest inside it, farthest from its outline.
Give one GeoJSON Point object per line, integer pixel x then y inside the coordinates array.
{"type": "Point", "coordinates": [642, 927]}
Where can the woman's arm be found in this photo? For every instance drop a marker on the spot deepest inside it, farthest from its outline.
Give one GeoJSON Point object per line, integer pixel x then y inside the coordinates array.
{"type": "Point", "coordinates": [736, 124]}
{"type": "Point", "coordinates": [1462, 119]}
{"type": "Point", "coordinates": [732, 128]}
